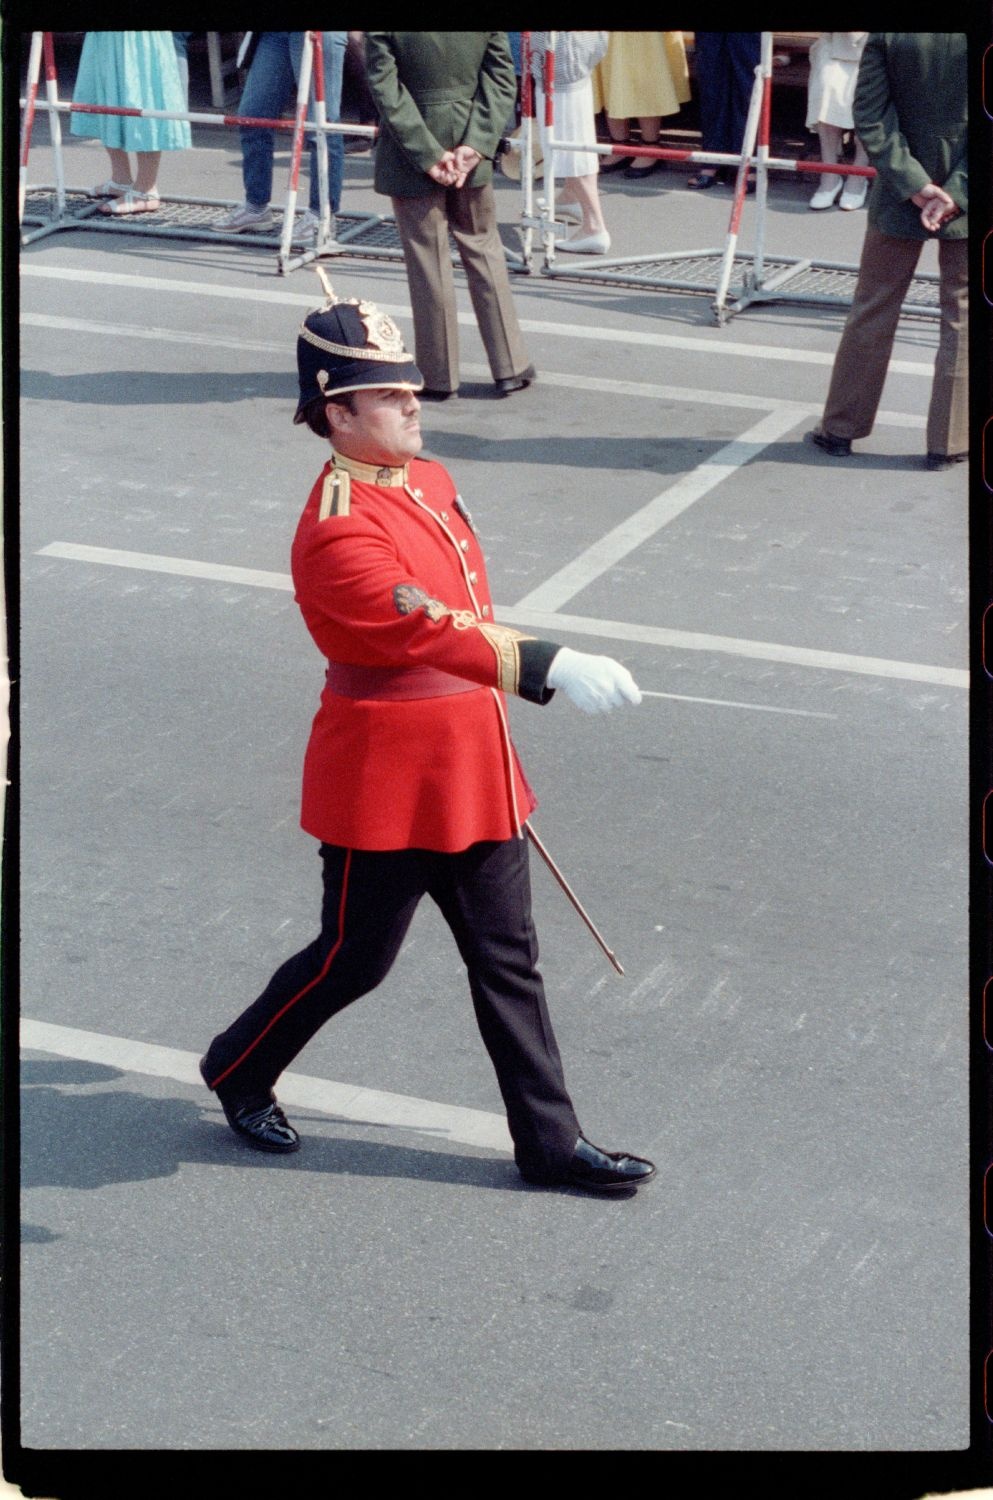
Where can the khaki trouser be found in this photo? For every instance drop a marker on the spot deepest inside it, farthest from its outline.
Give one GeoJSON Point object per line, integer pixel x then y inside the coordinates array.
{"type": "Point", "coordinates": [423, 224]}
{"type": "Point", "coordinates": [860, 365]}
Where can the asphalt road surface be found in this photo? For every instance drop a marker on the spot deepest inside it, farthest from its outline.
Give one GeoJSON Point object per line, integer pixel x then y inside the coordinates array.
{"type": "Point", "coordinates": [774, 844]}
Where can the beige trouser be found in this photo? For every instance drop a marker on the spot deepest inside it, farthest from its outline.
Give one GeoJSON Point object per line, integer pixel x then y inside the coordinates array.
{"type": "Point", "coordinates": [860, 365]}
{"type": "Point", "coordinates": [423, 224]}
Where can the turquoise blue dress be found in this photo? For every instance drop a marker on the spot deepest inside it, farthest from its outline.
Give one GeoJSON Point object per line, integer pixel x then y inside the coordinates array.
{"type": "Point", "coordinates": [135, 70]}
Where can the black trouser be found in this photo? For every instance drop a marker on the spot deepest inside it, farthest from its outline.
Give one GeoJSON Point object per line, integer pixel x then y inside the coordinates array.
{"type": "Point", "coordinates": [484, 894]}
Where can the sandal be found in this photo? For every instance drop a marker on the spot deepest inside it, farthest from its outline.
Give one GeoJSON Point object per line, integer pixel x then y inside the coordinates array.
{"type": "Point", "coordinates": [133, 202]}
{"type": "Point", "coordinates": [109, 189]}
{"type": "Point", "coordinates": [707, 178]}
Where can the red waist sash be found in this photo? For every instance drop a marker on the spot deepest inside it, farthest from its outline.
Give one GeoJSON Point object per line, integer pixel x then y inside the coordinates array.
{"type": "Point", "coordinates": [394, 682]}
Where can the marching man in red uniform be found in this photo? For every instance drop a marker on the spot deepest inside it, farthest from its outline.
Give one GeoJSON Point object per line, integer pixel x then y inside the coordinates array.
{"type": "Point", "coordinates": [411, 781]}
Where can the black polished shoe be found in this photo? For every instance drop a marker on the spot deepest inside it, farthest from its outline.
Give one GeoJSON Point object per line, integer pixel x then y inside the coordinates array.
{"type": "Point", "coordinates": [838, 447]}
{"type": "Point", "coordinates": [597, 1171]}
{"type": "Point", "coordinates": [427, 394]}
{"type": "Point", "coordinates": [944, 460]}
{"type": "Point", "coordinates": [512, 383]}
{"type": "Point", "coordinates": [258, 1119]}
{"type": "Point", "coordinates": [607, 1171]}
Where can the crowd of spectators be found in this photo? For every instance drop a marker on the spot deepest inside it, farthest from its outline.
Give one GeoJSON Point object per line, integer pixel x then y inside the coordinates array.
{"type": "Point", "coordinates": [444, 104]}
{"type": "Point", "coordinates": [614, 87]}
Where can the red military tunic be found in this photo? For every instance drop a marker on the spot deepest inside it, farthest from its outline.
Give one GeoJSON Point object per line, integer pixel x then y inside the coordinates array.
{"type": "Point", "coordinates": [392, 584]}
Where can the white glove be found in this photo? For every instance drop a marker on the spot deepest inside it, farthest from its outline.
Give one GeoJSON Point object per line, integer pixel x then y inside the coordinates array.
{"type": "Point", "coordinates": [596, 684]}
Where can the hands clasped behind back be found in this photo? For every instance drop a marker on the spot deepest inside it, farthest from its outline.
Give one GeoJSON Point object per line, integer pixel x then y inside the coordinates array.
{"type": "Point", "coordinates": [596, 684]}
{"type": "Point", "coordinates": [453, 167]}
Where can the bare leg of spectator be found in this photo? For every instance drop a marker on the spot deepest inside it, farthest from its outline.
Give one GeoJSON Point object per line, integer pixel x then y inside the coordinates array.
{"type": "Point", "coordinates": [831, 183]}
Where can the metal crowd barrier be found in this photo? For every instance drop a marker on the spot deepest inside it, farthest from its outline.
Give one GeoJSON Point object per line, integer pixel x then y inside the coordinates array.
{"type": "Point", "coordinates": [734, 278]}
{"type": "Point", "coordinates": [761, 277]}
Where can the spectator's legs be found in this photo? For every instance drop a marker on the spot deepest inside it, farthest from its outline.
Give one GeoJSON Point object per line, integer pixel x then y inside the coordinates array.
{"type": "Point", "coordinates": [472, 215]}
{"type": "Point", "coordinates": [948, 414]}
{"type": "Point", "coordinates": [860, 365]}
{"type": "Point", "coordinates": [713, 80]}
{"type": "Point", "coordinates": [584, 192]}
{"type": "Point", "coordinates": [744, 54]}
{"type": "Point", "coordinates": [830, 139]}
{"type": "Point", "coordinates": [181, 40]}
{"type": "Point", "coordinates": [333, 49]}
{"type": "Point", "coordinates": [268, 88]}
{"type": "Point", "coordinates": [120, 166]}
{"type": "Point", "coordinates": [147, 174]}
{"type": "Point", "coordinates": [423, 227]}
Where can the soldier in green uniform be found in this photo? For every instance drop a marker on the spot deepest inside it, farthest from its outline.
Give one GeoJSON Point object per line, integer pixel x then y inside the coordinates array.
{"type": "Point", "coordinates": [444, 98]}
{"type": "Point", "coordinates": [910, 113]}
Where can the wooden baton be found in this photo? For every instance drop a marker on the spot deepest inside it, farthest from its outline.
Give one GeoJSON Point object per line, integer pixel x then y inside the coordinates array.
{"type": "Point", "coordinates": [549, 861]}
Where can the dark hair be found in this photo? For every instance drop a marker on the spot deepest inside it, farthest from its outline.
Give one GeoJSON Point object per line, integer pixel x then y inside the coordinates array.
{"type": "Point", "coordinates": [315, 416]}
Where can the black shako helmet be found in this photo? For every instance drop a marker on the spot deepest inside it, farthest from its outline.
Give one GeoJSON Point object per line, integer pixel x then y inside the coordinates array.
{"type": "Point", "coordinates": [347, 346]}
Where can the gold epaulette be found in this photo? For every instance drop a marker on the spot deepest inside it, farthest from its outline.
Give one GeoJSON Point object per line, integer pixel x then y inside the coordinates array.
{"type": "Point", "coordinates": [336, 496]}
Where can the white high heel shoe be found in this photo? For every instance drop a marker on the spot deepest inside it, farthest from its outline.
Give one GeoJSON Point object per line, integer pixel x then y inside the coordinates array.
{"type": "Point", "coordinates": [824, 197]}
{"type": "Point", "coordinates": [588, 244]}
{"type": "Point", "coordinates": [570, 213]}
{"type": "Point", "coordinates": [853, 193]}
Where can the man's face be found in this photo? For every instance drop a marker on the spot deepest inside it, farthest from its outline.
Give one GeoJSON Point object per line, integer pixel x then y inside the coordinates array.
{"type": "Point", "coordinates": [384, 428]}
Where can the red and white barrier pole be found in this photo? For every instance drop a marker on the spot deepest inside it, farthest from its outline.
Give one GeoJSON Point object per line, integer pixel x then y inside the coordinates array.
{"type": "Point", "coordinates": [321, 116]}
{"type": "Point", "coordinates": [303, 94]}
{"type": "Point", "coordinates": [762, 155]}
{"type": "Point", "coordinates": [740, 186]}
{"type": "Point", "coordinates": [65, 107]}
{"type": "Point", "coordinates": [55, 124]}
{"type": "Point", "coordinates": [527, 142]}
{"type": "Point", "coordinates": [27, 123]}
{"type": "Point", "coordinates": [548, 88]}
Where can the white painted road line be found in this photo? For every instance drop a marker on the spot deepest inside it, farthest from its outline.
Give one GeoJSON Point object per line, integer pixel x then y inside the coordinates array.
{"type": "Point", "coordinates": [650, 519]}
{"type": "Point", "coordinates": [762, 708]}
{"type": "Point", "coordinates": [142, 331]}
{"type": "Point", "coordinates": [471, 1127]}
{"type": "Point", "coordinates": [182, 567]}
{"type": "Point", "coordinates": [694, 396]}
{"type": "Point", "coordinates": [711, 343]}
{"type": "Point", "coordinates": [547, 621]}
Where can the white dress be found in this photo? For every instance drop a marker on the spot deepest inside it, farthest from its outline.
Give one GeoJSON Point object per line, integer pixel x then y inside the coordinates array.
{"type": "Point", "coordinates": [834, 67]}
{"type": "Point", "coordinates": [574, 121]}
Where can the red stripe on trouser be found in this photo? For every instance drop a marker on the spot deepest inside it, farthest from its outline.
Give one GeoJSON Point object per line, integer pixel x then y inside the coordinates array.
{"type": "Point", "coordinates": [307, 987]}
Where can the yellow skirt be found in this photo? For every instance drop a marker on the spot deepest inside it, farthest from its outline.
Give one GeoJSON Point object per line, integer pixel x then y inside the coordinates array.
{"type": "Point", "coordinates": [643, 73]}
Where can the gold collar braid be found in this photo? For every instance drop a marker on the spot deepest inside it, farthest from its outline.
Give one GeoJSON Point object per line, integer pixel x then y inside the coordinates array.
{"type": "Point", "coordinates": [381, 474]}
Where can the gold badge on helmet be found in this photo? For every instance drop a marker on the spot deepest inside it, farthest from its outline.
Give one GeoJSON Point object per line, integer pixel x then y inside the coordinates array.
{"type": "Point", "coordinates": [381, 331]}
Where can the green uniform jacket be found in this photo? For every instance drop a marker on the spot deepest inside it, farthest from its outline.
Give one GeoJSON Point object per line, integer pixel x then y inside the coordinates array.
{"type": "Point", "coordinates": [910, 113]}
{"type": "Point", "coordinates": [435, 90]}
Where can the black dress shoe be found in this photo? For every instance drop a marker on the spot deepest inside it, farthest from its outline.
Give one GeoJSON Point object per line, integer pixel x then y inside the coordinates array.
{"type": "Point", "coordinates": [944, 460]}
{"type": "Point", "coordinates": [512, 383]}
{"type": "Point", "coordinates": [598, 1171]}
{"type": "Point", "coordinates": [644, 166]}
{"type": "Point", "coordinates": [258, 1119]}
{"type": "Point", "coordinates": [607, 1171]}
{"type": "Point", "coordinates": [427, 394]}
{"type": "Point", "coordinates": [838, 447]}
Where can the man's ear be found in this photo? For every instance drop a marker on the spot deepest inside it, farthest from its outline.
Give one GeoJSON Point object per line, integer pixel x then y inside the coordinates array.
{"type": "Point", "coordinates": [337, 415]}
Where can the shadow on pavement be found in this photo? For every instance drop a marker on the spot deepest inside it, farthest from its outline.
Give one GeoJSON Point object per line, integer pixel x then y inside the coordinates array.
{"type": "Point", "coordinates": [92, 1140]}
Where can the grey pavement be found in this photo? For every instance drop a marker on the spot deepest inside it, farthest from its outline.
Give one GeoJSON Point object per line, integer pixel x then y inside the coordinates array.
{"type": "Point", "coordinates": [774, 845]}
